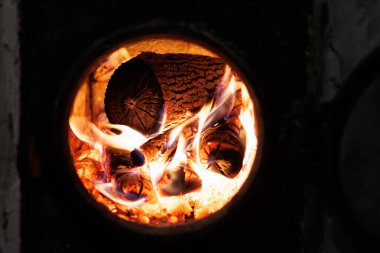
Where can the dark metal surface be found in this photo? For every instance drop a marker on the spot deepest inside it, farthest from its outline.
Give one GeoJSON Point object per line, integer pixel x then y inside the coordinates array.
{"type": "Point", "coordinates": [350, 159]}
{"type": "Point", "coordinates": [360, 158]}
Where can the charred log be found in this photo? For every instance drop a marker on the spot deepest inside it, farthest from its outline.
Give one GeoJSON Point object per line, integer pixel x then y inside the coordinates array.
{"type": "Point", "coordinates": [179, 181]}
{"type": "Point", "coordinates": [117, 159]}
{"type": "Point", "coordinates": [153, 147]}
{"type": "Point", "coordinates": [222, 148]}
{"type": "Point", "coordinates": [133, 184]}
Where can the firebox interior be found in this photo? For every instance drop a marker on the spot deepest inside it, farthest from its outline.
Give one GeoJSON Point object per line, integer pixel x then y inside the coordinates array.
{"type": "Point", "coordinates": [163, 131]}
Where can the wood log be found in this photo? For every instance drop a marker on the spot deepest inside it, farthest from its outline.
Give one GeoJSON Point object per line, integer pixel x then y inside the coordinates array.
{"type": "Point", "coordinates": [222, 149]}
{"type": "Point", "coordinates": [123, 168]}
{"type": "Point", "coordinates": [116, 159]}
{"type": "Point", "coordinates": [179, 181]}
{"type": "Point", "coordinates": [134, 184]}
{"type": "Point", "coordinates": [151, 85]}
{"type": "Point", "coordinates": [153, 147]}
{"type": "Point", "coordinates": [158, 145]}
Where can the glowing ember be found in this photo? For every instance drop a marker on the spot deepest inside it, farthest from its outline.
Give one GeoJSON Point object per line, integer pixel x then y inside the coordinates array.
{"type": "Point", "coordinates": [182, 172]}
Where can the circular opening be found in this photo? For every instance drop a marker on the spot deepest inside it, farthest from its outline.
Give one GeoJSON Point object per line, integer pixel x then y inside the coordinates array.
{"type": "Point", "coordinates": [163, 132]}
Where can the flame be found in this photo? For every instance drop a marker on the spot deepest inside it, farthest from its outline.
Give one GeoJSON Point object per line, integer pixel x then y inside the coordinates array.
{"type": "Point", "coordinates": [248, 122]}
{"type": "Point", "coordinates": [180, 155]}
{"type": "Point", "coordinates": [203, 115]}
{"type": "Point", "coordinates": [216, 190]}
{"type": "Point", "coordinates": [105, 70]}
{"type": "Point", "coordinates": [88, 132]}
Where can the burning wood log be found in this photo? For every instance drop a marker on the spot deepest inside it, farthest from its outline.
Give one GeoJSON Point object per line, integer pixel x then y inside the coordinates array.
{"type": "Point", "coordinates": [222, 149]}
{"type": "Point", "coordinates": [151, 85]}
{"type": "Point", "coordinates": [123, 168]}
{"type": "Point", "coordinates": [178, 181]}
{"type": "Point", "coordinates": [117, 159]}
{"type": "Point", "coordinates": [154, 146]}
{"type": "Point", "coordinates": [134, 184]}
{"type": "Point", "coordinates": [158, 145]}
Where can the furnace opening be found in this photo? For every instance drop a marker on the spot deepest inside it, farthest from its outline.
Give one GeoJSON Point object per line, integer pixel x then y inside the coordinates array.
{"type": "Point", "coordinates": [163, 131]}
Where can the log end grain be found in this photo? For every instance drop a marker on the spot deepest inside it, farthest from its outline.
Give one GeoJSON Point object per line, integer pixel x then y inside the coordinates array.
{"type": "Point", "coordinates": [134, 97]}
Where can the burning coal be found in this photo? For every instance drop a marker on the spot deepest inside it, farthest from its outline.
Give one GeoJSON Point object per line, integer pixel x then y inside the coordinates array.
{"type": "Point", "coordinates": [162, 137]}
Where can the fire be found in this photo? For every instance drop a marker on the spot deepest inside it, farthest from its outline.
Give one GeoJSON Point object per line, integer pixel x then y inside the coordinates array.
{"type": "Point", "coordinates": [190, 177]}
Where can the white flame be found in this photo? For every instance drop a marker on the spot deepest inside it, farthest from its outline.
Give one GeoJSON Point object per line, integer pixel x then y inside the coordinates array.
{"type": "Point", "coordinates": [180, 155]}
{"type": "Point", "coordinates": [202, 119]}
{"type": "Point", "coordinates": [248, 122]}
{"type": "Point", "coordinates": [224, 105]}
{"type": "Point", "coordinates": [87, 131]}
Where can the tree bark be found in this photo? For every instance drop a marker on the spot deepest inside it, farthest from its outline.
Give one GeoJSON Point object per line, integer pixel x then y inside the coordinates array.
{"type": "Point", "coordinates": [151, 85]}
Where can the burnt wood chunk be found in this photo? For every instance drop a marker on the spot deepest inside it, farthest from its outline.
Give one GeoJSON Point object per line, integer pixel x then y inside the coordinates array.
{"type": "Point", "coordinates": [154, 146]}
{"type": "Point", "coordinates": [116, 159]}
{"type": "Point", "coordinates": [150, 85]}
{"type": "Point", "coordinates": [222, 151]}
{"type": "Point", "coordinates": [133, 184]}
{"type": "Point", "coordinates": [123, 168]}
{"type": "Point", "coordinates": [179, 181]}
{"type": "Point", "coordinates": [222, 148]}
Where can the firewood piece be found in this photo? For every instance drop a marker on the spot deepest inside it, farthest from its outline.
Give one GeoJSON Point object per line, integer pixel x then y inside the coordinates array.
{"type": "Point", "coordinates": [152, 148]}
{"type": "Point", "coordinates": [222, 149]}
{"type": "Point", "coordinates": [117, 159]}
{"type": "Point", "coordinates": [141, 90]}
{"type": "Point", "coordinates": [134, 184]}
{"type": "Point", "coordinates": [179, 181]}
{"type": "Point", "coordinates": [138, 158]}
{"type": "Point", "coordinates": [149, 151]}
{"type": "Point", "coordinates": [158, 146]}
{"type": "Point", "coordinates": [134, 97]}
{"type": "Point", "coordinates": [123, 168]}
